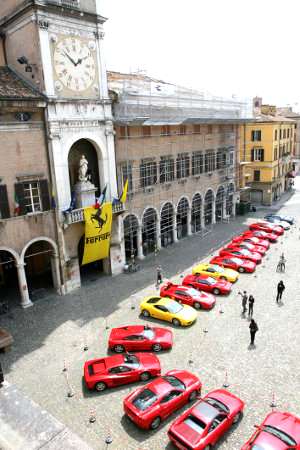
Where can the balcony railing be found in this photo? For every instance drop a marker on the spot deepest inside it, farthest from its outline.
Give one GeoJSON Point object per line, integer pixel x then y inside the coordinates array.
{"type": "Point", "coordinates": [76, 215]}
{"type": "Point", "coordinates": [66, 3]}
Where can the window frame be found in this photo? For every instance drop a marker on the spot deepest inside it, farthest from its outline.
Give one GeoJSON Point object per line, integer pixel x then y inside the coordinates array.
{"type": "Point", "coordinates": [32, 204]}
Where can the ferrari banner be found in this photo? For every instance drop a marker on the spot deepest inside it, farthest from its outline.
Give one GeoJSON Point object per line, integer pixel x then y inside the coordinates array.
{"type": "Point", "coordinates": [97, 232]}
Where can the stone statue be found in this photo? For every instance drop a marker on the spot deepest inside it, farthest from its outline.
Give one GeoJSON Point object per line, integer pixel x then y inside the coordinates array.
{"type": "Point", "coordinates": [83, 168]}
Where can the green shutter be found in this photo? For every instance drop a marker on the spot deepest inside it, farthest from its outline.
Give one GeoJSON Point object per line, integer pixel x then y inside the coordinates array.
{"type": "Point", "coordinates": [4, 206]}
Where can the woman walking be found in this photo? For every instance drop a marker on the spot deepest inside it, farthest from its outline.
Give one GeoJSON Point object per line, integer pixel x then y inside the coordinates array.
{"type": "Point", "coordinates": [253, 329]}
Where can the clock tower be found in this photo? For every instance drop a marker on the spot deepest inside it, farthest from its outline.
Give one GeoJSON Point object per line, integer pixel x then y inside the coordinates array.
{"type": "Point", "coordinates": [57, 46]}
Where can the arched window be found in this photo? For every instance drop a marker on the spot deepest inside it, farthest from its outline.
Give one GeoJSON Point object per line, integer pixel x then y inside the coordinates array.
{"type": "Point", "coordinates": [166, 224]}
{"type": "Point", "coordinates": [131, 226]}
{"type": "Point", "coordinates": [220, 203]}
{"type": "Point", "coordinates": [196, 213]}
{"type": "Point", "coordinates": [182, 218]}
{"type": "Point", "coordinates": [208, 207]}
{"type": "Point", "coordinates": [149, 231]}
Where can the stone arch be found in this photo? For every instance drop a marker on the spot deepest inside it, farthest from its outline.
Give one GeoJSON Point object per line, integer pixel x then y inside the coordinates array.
{"type": "Point", "coordinates": [196, 213]}
{"type": "Point", "coordinates": [131, 230]}
{"type": "Point", "coordinates": [167, 213]}
{"type": "Point", "coordinates": [182, 217]}
{"type": "Point", "coordinates": [13, 252]}
{"type": "Point", "coordinates": [149, 230]}
{"type": "Point", "coordinates": [10, 289]}
{"type": "Point", "coordinates": [40, 238]}
{"type": "Point", "coordinates": [209, 199]}
{"type": "Point", "coordinates": [219, 208]}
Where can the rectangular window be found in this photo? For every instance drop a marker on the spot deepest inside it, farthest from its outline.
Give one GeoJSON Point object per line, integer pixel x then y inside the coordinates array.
{"type": "Point", "coordinates": [210, 164]}
{"type": "Point", "coordinates": [275, 135]}
{"type": "Point", "coordinates": [197, 163]}
{"type": "Point", "coordinates": [275, 153]}
{"type": "Point", "coordinates": [256, 175]}
{"type": "Point", "coordinates": [165, 130]}
{"type": "Point", "coordinates": [182, 129]}
{"type": "Point", "coordinates": [4, 206]}
{"type": "Point", "coordinates": [284, 134]}
{"type": "Point", "coordinates": [231, 158]}
{"type": "Point", "coordinates": [166, 169]}
{"type": "Point", "coordinates": [288, 132]}
{"type": "Point", "coordinates": [256, 135]}
{"type": "Point", "coordinates": [182, 165]}
{"type": "Point", "coordinates": [196, 129]}
{"type": "Point", "coordinates": [280, 134]}
{"type": "Point", "coordinates": [257, 154]}
{"type": "Point", "coordinates": [146, 131]}
{"type": "Point", "coordinates": [209, 129]}
{"type": "Point", "coordinates": [126, 171]}
{"type": "Point", "coordinates": [124, 132]}
{"type": "Point", "coordinates": [148, 173]}
{"type": "Point", "coordinates": [221, 159]}
{"type": "Point", "coordinates": [32, 197]}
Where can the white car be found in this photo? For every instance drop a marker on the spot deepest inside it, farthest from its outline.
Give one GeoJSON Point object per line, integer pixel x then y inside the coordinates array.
{"type": "Point", "coordinates": [281, 223]}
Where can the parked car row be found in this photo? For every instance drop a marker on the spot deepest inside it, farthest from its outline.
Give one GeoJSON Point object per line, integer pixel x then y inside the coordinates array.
{"type": "Point", "coordinates": [203, 424]}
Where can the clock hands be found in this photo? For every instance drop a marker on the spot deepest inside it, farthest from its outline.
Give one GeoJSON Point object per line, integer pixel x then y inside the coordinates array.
{"type": "Point", "coordinates": [71, 59]}
{"type": "Point", "coordinates": [80, 60]}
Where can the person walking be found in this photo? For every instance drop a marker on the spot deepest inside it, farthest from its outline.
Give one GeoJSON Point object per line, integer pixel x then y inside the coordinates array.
{"type": "Point", "coordinates": [158, 275]}
{"type": "Point", "coordinates": [253, 329]}
{"type": "Point", "coordinates": [280, 289]}
{"type": "Point", "coordinates": [250, 305]}
{"type": "Point", "coordinates": [244, 301]}
{"type": "Point", "coordinates": [281, 264]}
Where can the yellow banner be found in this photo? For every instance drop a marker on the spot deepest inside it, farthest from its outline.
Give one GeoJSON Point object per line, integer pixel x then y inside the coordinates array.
{"type": "Point", "coordinates": [97, 233]}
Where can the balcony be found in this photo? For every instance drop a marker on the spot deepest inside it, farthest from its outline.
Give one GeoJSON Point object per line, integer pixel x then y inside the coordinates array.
{"type": "Point", "coordinates": [76, 215]}
{"type": "Point", "coordinates": [72, 4]}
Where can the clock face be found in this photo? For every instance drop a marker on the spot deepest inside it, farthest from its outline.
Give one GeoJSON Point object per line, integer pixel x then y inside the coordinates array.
{"type": "Point", "coordinates": [74, 64]}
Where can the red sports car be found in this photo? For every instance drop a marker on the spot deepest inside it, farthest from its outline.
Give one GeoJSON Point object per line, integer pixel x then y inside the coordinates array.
{"type": "Point", "coordinates": [149, 405]}
{"type": "Point", "coordinates": [207, 283]}
{"type": "Point", "coordinates": [188, 296]}
{"type": "Point", "coordinates": [251, 247]}
{"type": "Point", "coordinates": [241, 253]}
{"type": "Point", "coordinates": [252, 240]}
{"type": "Point", "coordinates": [279, 431]}
{"type": "Point", "coordinates": [232, 262]}
{"type": "Point", "coordinates": [200, 427]}
{"type": "Point", "coordinates": [267, 227]}
{"type": "Point", "coordinates": [111, 371]}
{"type": "Point", "coordinates": [272, 237]}
{"type": "Point", "coordinates": [140, 337]}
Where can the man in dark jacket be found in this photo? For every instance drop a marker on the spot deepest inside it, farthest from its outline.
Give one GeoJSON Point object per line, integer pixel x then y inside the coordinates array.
{"type": "Point", "coordinates": [280, 289]}
{"type": "Point", "coordinates": [253, 329]}
{"type": "Point", "coordinates": [250, 305]}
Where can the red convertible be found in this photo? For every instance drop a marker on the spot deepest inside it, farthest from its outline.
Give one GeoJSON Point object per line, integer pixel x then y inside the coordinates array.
{"type": "Point", "coordinates": [207, 283]}
{"type": "Point", "coordinates": [232, 262]}
{"type": "Point", "coordinates": [111, 371]}
{"type": "Point", "coordinates": [200, 427]}
{"type": "Point", "coordinates": [140, 337]}
{"type": "Point", "coordinates": [241, 253]}
{"type": "Point", "coordinates": [267, 227]}
{"type": "Point", "coordinates": [252, 240]}
{"type": "Point", "coordinates": [251, 247]}
{"type": "Point", "coordinates": [272, 237]}
{"type": "Point", "coordinates": [149, 405]}
{"type": "Point", "coordinates": [188, 296]}
{"type": "Point", "coordinates": [279, 431]}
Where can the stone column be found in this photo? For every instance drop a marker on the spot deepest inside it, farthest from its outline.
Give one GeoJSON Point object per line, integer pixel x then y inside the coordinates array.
{"type": "Point", "coordinates": [25, 300]}
{"type": "Point", "coordinates": [158, 236]}
{"type": "Point", "coordinates": [174, 230]}
{"type": "Point", "coordinates": [224, 214]}
{"type": "Point", "coordinates": [56, 272]}
{"type": "Point", "coordinates": [189, 222]}
{"type": "Point", "coordinates": [202, 218]}
{"type": "Point", "coordinates": [214, 212]}
{"type": "Point", "coordinates": [140, 253]}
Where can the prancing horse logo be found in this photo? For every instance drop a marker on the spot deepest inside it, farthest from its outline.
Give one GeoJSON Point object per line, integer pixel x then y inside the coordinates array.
{"type": "Point", "coordinates": [97, 217]}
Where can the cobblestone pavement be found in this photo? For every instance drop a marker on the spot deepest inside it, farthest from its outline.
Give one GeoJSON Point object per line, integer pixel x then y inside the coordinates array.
{"type": "Point", "coordinates": [56, 330]}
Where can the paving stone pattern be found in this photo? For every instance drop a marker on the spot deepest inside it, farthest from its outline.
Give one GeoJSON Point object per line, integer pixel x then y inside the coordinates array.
{"type": "Point", "coordinates": [55, 331]}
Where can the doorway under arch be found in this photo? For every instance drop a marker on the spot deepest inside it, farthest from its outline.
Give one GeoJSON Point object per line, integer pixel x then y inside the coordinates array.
{"type": "Point", "coordinates": [131, 226]}
{"type": "Point", "coordinates": [166, 224]}
{"type": "Point", "coordinates": [220, 197]}
{"type": "Point", "coordinates": [196, 213]}
{"type": "Point", "coordinates": [229, 200]}
{"type": "Point", "coordinates": [149, 231]}
{"type": "Point", "coordinates": [86, 148]}
{"type": "Point", "coordinates": [208, 207]}
{"type": "Point", "coordinates": [88, 271]}
{"type": "Point", "coordinates": [9, 287]}
{"type": "Point", "coordinates": [182, 218]}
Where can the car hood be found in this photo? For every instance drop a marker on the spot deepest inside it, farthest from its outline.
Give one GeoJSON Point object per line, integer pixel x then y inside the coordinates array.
{"type": "Point", "coordinates": [267, 441]}
{"type": "Point", "coordinates": [163, 334]}
{"type": "Point", "coordinates": [187, 313]}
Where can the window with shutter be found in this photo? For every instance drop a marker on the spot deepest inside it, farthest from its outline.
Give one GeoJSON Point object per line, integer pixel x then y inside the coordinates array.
{"type": "Point", "coordinates": [4, 206]}
{"type": "Point", "coordinates": [44, 193]}
{"type": "Point", "coordinates": [20, 198]}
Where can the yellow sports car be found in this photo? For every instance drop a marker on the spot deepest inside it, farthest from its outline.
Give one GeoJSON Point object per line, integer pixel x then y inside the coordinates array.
{"type": "Point", "coordinates": [215, 271]}
{"type": "Point", "coordinates": [164, 308]}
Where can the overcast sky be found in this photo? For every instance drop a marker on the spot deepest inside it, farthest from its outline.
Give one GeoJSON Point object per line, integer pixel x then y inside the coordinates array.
{"type": "Point", "coordinates": [242, 47]}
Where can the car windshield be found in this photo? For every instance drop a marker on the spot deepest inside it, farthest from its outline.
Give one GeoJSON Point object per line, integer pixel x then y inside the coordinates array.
{"type": "Point", "coordinates": [195, 423]}
{"type": "Point", "coordinates": [237, 260]}
{"type": "Point", "coordinates": [280, 435]}
{"type": "Point", "coordinates": [258, 447]}
{"type": "Point", "coordinates": [217, 404]}
{"type": "Point", "coordinates": [218, 268]}
{"type": "Point", "coordinates": [211, 280]}
{"type": "Point", "coordinates": [174, 307]}
{"type": "Point", "coordinates": [244, 252]}
{"type": "Point", "coordinates": [144, 399]}
{"type": "Point", "coordinates": [174, 382]}
{"type": "Point", "coordinates": [131, 359]}
{"type": "Point", "coordinates": [193, 292]}
{"type": "Point", "coordinates": [148, 333]}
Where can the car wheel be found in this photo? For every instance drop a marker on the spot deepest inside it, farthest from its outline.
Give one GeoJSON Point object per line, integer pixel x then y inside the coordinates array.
{"type": "Point", "coordinates": [156, 347]}
{"type": "Point", "coordinates": [155, 423]}
{"type": "Point", "coordinates": [216, 291]}
{"type": "Point", "coordinates": [145, 376]}
{"type": "Point", "coordinates": [241, 269]}
{"type": "Point", "coordinates": [223, 278]}
{"type": "Point", "coordinates": [145, 313]}
{"type": "Point", "coordinates": [100, 386]}
{"type": "Point", "coordinates": [119, 348]}
{"type": "Point", "coordinates": [193, 395]}
{"type": "Point", "coordinates": [197, 305]}
{"type": "Point", "coordinates": [176, 323]}
{"type": "Point", "coordinates": [237, 417]}
{"type": "Point", "coordinates": [208, 447]}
